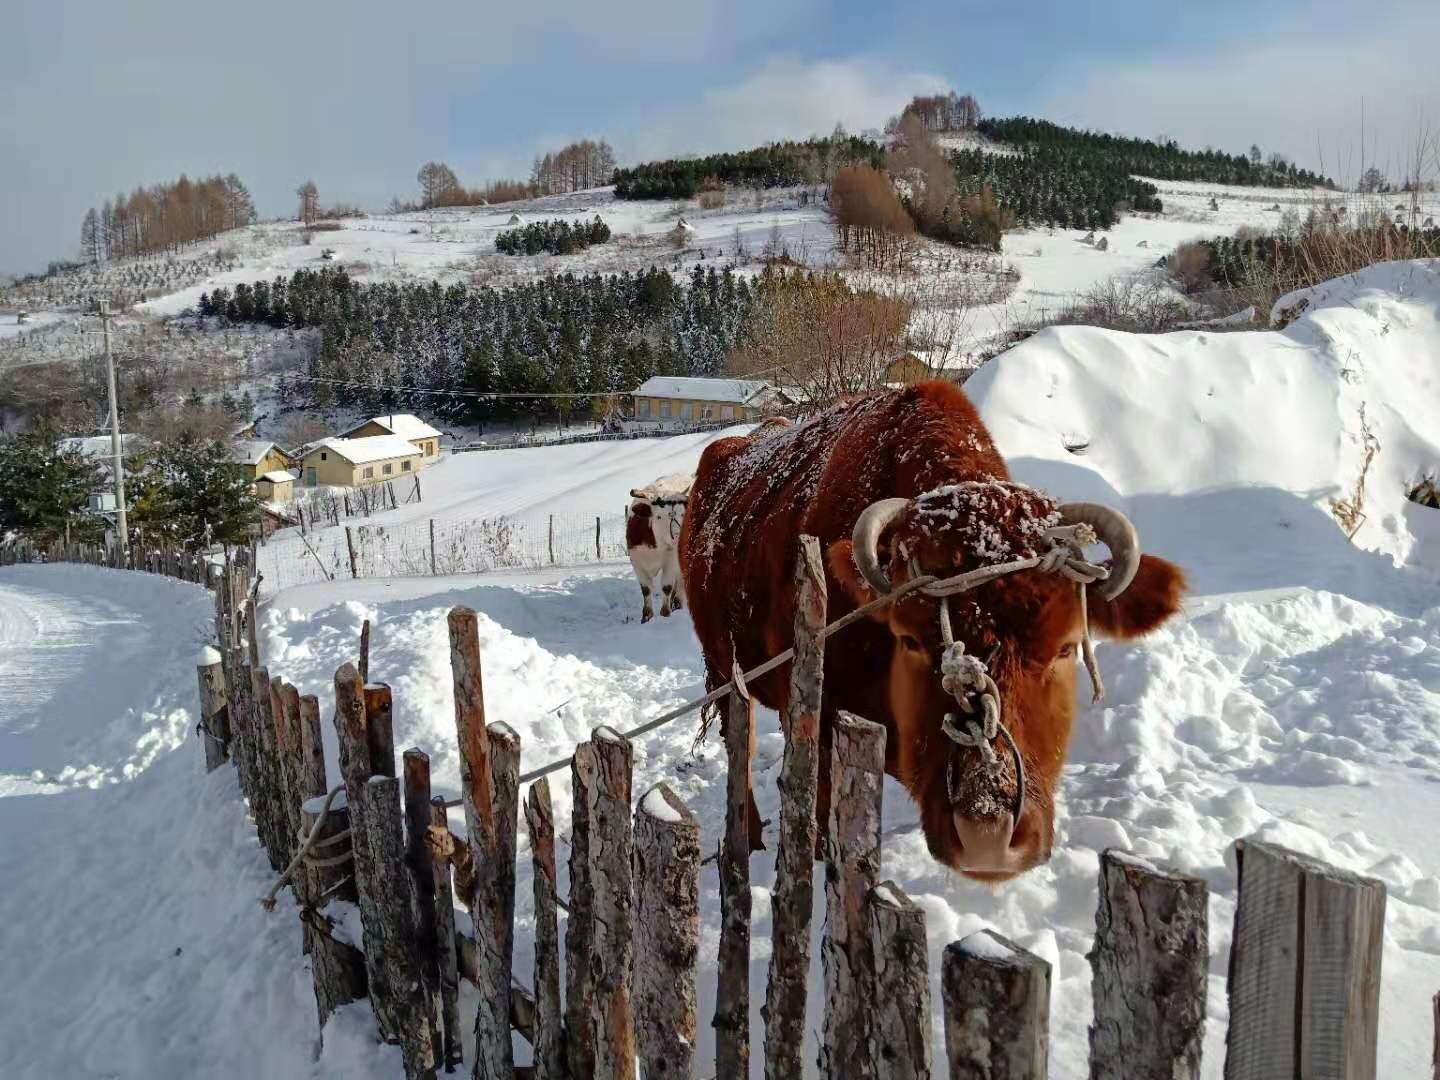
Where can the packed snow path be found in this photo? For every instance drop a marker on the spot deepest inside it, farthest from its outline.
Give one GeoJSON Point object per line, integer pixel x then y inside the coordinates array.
{"type": "Point", "coordinates": [132, 942]}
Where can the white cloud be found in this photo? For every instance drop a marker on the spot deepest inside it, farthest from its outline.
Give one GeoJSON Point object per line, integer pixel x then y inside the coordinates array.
{"type": "Point", "coordinates": [1300, 94]}
{"type": "Point", "coordinates": [784, 99]}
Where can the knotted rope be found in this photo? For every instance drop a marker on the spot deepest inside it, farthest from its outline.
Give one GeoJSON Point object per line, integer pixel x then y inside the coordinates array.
{"type": "Point", "coordinates": [310, 841]}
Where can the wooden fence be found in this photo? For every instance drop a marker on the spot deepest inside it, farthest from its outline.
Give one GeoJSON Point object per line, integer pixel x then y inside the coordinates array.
{"type": "Point", "coordinates": [377, 888]}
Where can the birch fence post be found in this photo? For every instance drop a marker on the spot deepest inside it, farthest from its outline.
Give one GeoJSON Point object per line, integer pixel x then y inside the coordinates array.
{"type": "Point", "coordinates": [900, 1028]}
{"type": "Point", "coordinates": [667, 902]}
{"type": "Point", "coordinates": [416, 770]}
{"type": "Point", "coordinates": [489, 779]}
{"type": "Point", "coordinates": [785, 992]}
{"type": "Point", "coordinates": [445, 944]}
{"type": "Point", "coordinates": [1149, 965]}
{"type": "Point", "coordinates": [732, 997]}
{"type": "Point", "coordinates": [549, 1041]}
{"type": "Point", "coordinates": [997, 1009]}
{"type": "Point", "coordinates": [852, 856]}
{"type": "Point", "coordinates": [1304, 968]}
{"type": "Point", "coordinates": [214, 713]}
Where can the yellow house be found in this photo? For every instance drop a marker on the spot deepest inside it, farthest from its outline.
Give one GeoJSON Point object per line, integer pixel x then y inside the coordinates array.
{"type": "Point", "coordinates": [278, 486]}
{"type": "Point", "coordinates": [256, 457]}
{"type": "Point", "coordinates": [407, 426]}
{"type": "Point", "coordinates": [666, 400]}
{"type": "Point", "coordinates": [357, 462]}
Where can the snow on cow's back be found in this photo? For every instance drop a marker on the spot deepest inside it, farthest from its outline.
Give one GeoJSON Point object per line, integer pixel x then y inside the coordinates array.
{"type": "Point", "coordinates": [671, 485]}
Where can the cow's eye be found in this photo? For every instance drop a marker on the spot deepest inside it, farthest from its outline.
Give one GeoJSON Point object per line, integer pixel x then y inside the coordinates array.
{"type": "Point", "coordinates": [909, 643]}
{"type": "Point", "coordinates": [1066, 651]}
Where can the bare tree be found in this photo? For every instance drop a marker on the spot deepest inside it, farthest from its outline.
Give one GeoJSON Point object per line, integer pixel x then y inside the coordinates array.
{"type": "Point", "coordinates": [309, 196]}
{"type": "Point", "coordinates": [438, 185]}
{"type": "Point", "coordinates": [92, 237]}
{"type": "Point", "coordinates": [873, 222]}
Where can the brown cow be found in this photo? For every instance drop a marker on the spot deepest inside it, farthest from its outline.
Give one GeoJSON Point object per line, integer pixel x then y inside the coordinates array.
{"type": "Point", "coordinates": [895, 484]}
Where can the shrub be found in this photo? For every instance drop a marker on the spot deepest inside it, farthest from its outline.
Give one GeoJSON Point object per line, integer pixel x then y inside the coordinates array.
{"type": "Point", "coordinates": [713, 199]}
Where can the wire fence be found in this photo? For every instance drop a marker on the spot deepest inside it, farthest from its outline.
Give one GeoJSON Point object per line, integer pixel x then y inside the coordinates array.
{"type": "Point", "coordinates": [426, 547]}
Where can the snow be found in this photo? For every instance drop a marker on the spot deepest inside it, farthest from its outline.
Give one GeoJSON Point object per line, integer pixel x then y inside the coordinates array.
{"type": "Point", "coordinates": [405, 425]}
{"type": "Point", "coordinates": [249, 451]}
{"type": "Point", "coordinates": [279, 476]}
{"type": "Point", "coordinates": [369, 448]}
{"type": "Point", "coordinates": [209, 655]}
{"type": "Point", "coordinates": [1297, 700]}
{"type": "Point", "coordinates": [658, 807]}
{"type": "Point", "coordinates": [986, 945]}
{"type": "Point", "coordinates": [738, 391]}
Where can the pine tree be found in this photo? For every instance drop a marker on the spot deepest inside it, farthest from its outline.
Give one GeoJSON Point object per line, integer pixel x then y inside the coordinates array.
{"type": "Point", "coordinates": [44, 489]}
{"type": "Point", "coordinates": [189, 493]}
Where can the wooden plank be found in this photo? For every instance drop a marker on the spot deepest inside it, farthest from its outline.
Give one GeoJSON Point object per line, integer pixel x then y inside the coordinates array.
{"type": "Point", "coordinates": [613, 904]}
{"type": "Point", "coordinates": [899, 1040]}
{"type": "Point", "coordinates": [445, 944]}
{"type": "Point", "coordinates": [794, 896]}
{"type": "Point", "coordinates": [732, 998]}
{"type": "Point", "coordinates": [852, 857]}
{"type": "Point", "coordinates": [997, 1009]}
{"type": "Point", "coordinates": [549, 1040]}
{"type": "Point", "coordinates": [1304, 968]}
{"type": "Point", "coordinates": [1148, 971]}
{"type": "Point", "coordinates": [494, 910]}
{"type": "Point", "coordinates": [580, 921]}
{"type": "Point", "coordinates": [387, 917]}
{"type": "Point", "coordinates": [214, 716]}
{"type": "Point", "coordinates": [667, 894]}
{"type": "Point", "coordinates": [416, 773]}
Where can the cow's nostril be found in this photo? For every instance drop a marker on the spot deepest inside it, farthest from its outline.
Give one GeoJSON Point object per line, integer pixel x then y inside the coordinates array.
{"type": "Point", "coordinates": [984, 842]}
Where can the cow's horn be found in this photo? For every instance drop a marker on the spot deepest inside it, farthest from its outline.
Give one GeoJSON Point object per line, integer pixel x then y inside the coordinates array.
{"type": "Point", "coordinates": [636, 493]}
{"type": "Point", "coordinates": [1116, 533]}
{"type": "Point", "coordinates": [866, 540]}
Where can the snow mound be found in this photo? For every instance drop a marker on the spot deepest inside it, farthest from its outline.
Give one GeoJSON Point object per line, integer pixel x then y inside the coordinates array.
{"type": "Point", "coordinates": [1241, 434]}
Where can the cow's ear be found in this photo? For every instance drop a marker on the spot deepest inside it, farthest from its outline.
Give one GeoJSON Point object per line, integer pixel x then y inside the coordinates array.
{"type": "Point", "coordinates": [841, 559]}
{"type": "Point", "coordinates": [1151, 598]}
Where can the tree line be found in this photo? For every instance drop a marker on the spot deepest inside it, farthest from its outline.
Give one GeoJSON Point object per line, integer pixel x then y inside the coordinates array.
{"type": "Point", "coordinates": [585, 164]}
{"type": "Point", "coordinates": [781, 164]}
{"type": "Point", "coordinates": [164, 217]}
{"type": "Point", "coordinates": [942, 112]}
{"type": "Point", "coordinates": [1148, 157]}
{"type": "Point", "coordinates": [1065, 187]}
{"type": "Point", "coordinates": [587, 335]}
{"type": "Point", "coordinates": [555, 236]}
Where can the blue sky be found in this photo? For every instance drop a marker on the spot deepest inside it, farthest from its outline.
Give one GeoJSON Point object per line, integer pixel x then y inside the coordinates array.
{"type": "Point", "coordinates": [96, 98]}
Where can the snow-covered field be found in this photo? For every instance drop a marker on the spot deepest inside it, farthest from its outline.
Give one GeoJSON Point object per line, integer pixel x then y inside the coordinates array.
{"type": "Point", "coordinates": [1298, 698]}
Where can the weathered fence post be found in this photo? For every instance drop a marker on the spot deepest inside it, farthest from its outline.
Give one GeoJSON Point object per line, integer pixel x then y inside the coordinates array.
{"type": "Point", "coordinates": [612, 898]}
{"type": "Point", "coordinates": [580, 923]}
{"type": "Point", "coordinates": [338, 966]}
{"type": "Point", "coordinates": [392, 940]}
{"type": "Point", "coordinates": [793, 900]}
{"type": "Point", "coordinates": [549, 1041]}
{"type": "Point", "coordinates": [265, 803]}
{"type": "Point", "coordinates": [1435, 1053]}
{"type": "Point", "coordinates": [489, 779]}
{"type": "Point", "coordinates": [598, 556]}
{"type": "Point", "coordinates": [997, 1009]}
{"type": "Point", "coordinates": [350, 546]}
{"type": "Point", "coordinates": [732, 997]}
{"type": "Point", "coordinates": [214, 713]}
{"type": "Point", "coordinates": [1148, 968]}
{"type": "Point", "coordinates": [552, 539]}
{"type": "Point", "coordinates": [433, 571]}
{"type": "Point", "coordinates": [422, 871]}
{"type": "Point", "coordinates": [380, 728]}
{"type": "Point", "coordinates": [667, 909]}
{"type": "Point", "coordinates": [445, 944]}
{"type": "Point", "coordinates": [1304, 968]}
{"type": "Point", "coordinates": [900, 1021]}
{"type": "Point", "coordinates": [852, 855]}
{"type": "Point", "coordinates": [364, 666]}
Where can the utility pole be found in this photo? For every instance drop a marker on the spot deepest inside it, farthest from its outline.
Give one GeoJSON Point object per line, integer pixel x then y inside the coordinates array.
{"type": "Point", "coordinates": [119, 458]}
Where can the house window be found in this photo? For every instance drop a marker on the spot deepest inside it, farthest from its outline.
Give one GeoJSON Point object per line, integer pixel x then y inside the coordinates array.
{"type": "Point", "coordinates": [405, 466]}
{"type": "Point", "coordinates": [706, 412]}
{"type": "Point", "coordinates": [642, 408]}
{"type": "Point", "coordinates": [322, 456]}
{"type": "Point", "coordinates": [389, 468]}
{"type": "Point", "coordinates": [429, 449]}
{"type": "Point", "coordinates": [685, 411]}
{"type": "Point", "coordinates": [664, 410]}
{"type": "Point", "coordinates": [726, 412]}
{"type": "Point", "coordinates": [368, 473]}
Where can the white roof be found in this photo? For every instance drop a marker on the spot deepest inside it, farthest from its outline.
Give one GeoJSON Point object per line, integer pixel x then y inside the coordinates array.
{"type": "Point", "coordinates": [406, 425]}
{"type": "Point", "coordinates": [370, 448]}
{"type": "Point", "coordinates": [279, 476]}
{"type": "Point", "coordinates": [738, 391]}
{"type": "Point", "coordinates": [99, 446]}
{"type": "Point", "coordinates": [249, 451]}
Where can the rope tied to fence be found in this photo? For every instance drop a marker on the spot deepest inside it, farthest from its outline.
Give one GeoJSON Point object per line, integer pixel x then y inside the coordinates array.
{"type": "Point", "coordinates": [310, 841]}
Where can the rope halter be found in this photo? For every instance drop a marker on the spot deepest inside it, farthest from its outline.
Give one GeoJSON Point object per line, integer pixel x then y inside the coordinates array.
{"type": "Point", "coordinates": [967, 678]}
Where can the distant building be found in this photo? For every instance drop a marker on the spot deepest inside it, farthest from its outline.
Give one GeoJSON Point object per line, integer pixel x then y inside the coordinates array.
{"type": "Point", "coordinates": [406, 425]}
{"type": "Point", "coordinates": [916, 365]}
{"type": "Point", "coordinates": [256, 457]}
{"type": "Point", "coordinates": [664, 399]}
{"type": "Point", "coordinates": [372, 459]}
{"type": "Point", "coordinates": [277, 486]}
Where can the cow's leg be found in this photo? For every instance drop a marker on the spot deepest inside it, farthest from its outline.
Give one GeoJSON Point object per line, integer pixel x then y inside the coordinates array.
{"type": "Point", "coordinates": [647, 612]}
{"type": "Point", "coordinates": [666, 589]}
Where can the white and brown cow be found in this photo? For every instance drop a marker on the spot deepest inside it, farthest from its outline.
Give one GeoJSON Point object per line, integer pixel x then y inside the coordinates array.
{"type": "Point", "coordinates": [652, 531]}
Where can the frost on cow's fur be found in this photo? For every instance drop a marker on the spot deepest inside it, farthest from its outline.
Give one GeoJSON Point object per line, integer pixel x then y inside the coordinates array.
{"type": "Point", "coordinates": [994, 521]}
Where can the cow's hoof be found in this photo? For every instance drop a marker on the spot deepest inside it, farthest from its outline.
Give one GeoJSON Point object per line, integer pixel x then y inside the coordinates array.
{"type": "Point", "coordinates": [664, 612]}
{"type": "Point", "coordinates": [677, 605]}
{"type": "Point", "coordinates": [646, 617]}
